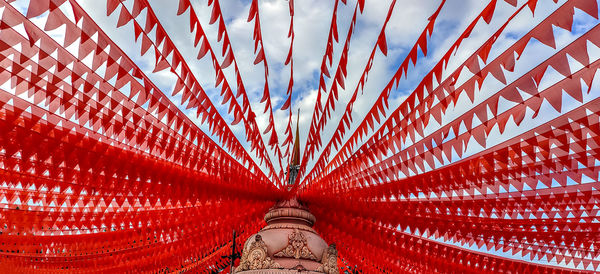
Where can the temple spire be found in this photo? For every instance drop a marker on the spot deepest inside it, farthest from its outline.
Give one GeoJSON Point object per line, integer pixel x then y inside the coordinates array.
{"type": "Point", "coordinates": [295, 163]}
{"type": "Point", "coordinates": [296, 151]}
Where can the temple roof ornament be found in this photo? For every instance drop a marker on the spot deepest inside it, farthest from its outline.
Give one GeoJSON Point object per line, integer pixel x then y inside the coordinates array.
{"type": "Point", "coordinates": [297, 247]}
{"type": "Point", "coordinates": [329, 261]}
{"type": "Point", "coordinates": [255, 256]}
{"type": "Point", "coordinates": [288, 244]}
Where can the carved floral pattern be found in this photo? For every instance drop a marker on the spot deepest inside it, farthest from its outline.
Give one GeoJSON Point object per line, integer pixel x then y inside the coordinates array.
{"type": "Point", "coordinates": [329, 261]}
{"type": "Point", "coordinates": [255, 256]}
{"type": "Point", "coordinates": [297, 247]}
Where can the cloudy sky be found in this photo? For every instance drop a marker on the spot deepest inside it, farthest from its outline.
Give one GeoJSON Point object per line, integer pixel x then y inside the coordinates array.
{"type": "Point", "coordinates": [312, 21]}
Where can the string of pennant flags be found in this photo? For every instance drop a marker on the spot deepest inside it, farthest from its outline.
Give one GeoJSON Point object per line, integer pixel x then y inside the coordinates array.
{"type": "Point", "coordinates": [101, 170]}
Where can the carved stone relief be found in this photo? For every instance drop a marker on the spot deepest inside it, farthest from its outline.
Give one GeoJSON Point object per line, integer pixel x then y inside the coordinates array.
{"type": "Point", "coordinates": [297, 247]}
{"type": "Point", "coordinates": [255, 256]}
{"type": "Point", "coordinates": [329, 261]}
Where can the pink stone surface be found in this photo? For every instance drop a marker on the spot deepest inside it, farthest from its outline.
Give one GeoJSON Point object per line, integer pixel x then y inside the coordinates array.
{"type": "Point", "coordinates": [282, 220]}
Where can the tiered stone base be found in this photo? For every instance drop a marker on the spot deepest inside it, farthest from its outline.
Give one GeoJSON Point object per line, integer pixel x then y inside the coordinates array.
{"type": "Point", "coordinates": [279, 271]}
{"type": "Point", "coordinates": [288, 244]}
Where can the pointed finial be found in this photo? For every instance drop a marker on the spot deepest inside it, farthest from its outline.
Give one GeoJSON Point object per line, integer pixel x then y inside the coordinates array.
{"type": "Point", "coordinates": [295, 163]}
{"type": "Point", "coordinates": [296, 151]}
